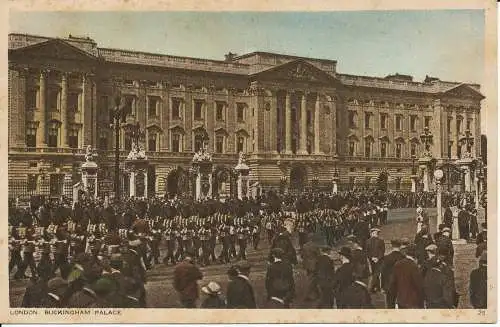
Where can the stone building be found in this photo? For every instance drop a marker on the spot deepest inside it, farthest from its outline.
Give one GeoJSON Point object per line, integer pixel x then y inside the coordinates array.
{"type": "Point", "coordinates": [298, 120]}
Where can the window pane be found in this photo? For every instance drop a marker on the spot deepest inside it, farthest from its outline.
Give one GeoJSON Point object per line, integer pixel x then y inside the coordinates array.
{"type": "Point", "coordinates": [197, 110]}
{"type": "Point", "coordinates": [152, 107]}
{"type": "Point", "coordinates": [176, 143]}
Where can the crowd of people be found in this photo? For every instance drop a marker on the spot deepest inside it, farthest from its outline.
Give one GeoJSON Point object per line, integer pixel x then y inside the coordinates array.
{"type": "Point", "coordinates": [96, 254]}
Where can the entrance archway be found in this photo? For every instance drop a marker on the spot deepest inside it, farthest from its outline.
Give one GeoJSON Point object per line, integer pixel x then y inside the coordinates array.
{"type": "Point", "coordinates": [298, 178]}
{"type": "Point", "coordinates": [178, 182]}
{"type": "Point", "coordinates": [453, 178]}
{"type": "Point", "coordinates": [222, 182]}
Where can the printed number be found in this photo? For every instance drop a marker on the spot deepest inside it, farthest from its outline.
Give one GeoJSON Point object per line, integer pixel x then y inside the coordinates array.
{"type": "Point", "coordinates": [482, 313]}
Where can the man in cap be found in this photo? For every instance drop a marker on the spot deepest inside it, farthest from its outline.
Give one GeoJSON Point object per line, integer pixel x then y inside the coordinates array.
{"type": "Point", "coordinates": [186, 277]}
{"type": "Point", "coordinates": [387, 268]}
{"type": "Point", "coordinates": [310, 253]}
{"type": "Point", "coordinates": [422, 240]}
{"type": "Point", "coordinates": [358, 256]}
{"type": "Point", "coordinates": [280, 285]}
{"type": "Point", "coordinates": [375, 250]}
{"type": "Point", "coordinates": [446, 246]}
{"type": "Point", "coordinates": [439, 288]}
{"type": "Point", "coordinates": [54, 298]}
{"type": "Point", "coordinates": [431, 259]}
{"type": "Point", "coordinates": [407, 282]}
{"type": "Point", "coordinates": [478, 286]}
{"type": "Point", "coordinates": [362, 231]}
{"type": "Point", "coordinates": [240, 294]}
{"type": "Point", "coordinates": [437, 235]}
{"type": "Point", "coordinates": [483, 235]}
{"type": "Point", "coordinates": [343, 277]}
{"type": "Point", "coordinates": [357, 295]}
{"type": "Point", "coordinates": [214, 298]}
{"type": "Point", "coordinates": [325, 272]}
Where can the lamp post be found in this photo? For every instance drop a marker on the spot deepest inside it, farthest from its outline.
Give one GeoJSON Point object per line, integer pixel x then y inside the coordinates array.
{"type": "Point", "coordinates": [426, 159]}
{"type": "Point", "coordinates": [438, 175]}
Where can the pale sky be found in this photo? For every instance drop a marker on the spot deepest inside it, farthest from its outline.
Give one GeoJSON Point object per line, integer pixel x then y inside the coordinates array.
{"type": "Point", "coordinates": [448, 44]}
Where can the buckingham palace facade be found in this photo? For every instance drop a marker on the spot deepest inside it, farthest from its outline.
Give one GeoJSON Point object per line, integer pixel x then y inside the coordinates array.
{"type": "Point", "coordinates": [299, 121]}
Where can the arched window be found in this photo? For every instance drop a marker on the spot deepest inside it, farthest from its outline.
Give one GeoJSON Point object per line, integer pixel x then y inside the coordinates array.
{"type": "Point", "coordinates": [152, 141]}
{"type": "Point", "coordinates": [198, 142]}
{"type": "Point", "coordinates": [53, 140]}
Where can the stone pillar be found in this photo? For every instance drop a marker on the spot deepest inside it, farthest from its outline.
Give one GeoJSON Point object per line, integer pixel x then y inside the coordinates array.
{"type": "Point", "coordinates": [42, 132]}
{"type": "Point", "coordinates": [145, 185]}
{"type": "Point", "coordinates": [239, 186]}
{"type": "Point", "coordinates": [478, 190]}
{"type": "Point", "coordinates": [210, 190]}
{"type": "Point", "coordinates": [64, 110]}
{"type": "Point", "coordinates": [454, 136]}
{"type": "Point", "coordinates": [413, 185]}
{"type": "Point", "coordinates": [439, 206]}
{"type": "Point", "coordinates": [303, 124]}
{"type": "Point", "coordinates": [335, 186]}
{"type": "Point", "coordinates": [288, 124]}
{"type": "Point", "coordinates": [468, 180]}
{"type": "Point", "coordinates": [198, 186]}
{"type": "Point", "coordinates": [85, 126]}
{"type": "Point", "coordinates": [132, 183]}
{"type": "Point", "coordinates": [426, 179]}
{"type": "Point", "coordinates": [317, 107]}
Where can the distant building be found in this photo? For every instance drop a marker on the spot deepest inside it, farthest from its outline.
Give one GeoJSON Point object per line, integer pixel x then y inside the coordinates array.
{"type": "Point", "coordinates": [298, 119]}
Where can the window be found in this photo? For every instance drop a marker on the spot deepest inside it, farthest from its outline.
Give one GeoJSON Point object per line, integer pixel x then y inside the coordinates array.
{"type": "Point", "coordinates": [367, 119]}
{"type": "Point", "coordinates": [31, 99]}
{"type": "Point", "coordinates": [52, 100]}
{"type": "Point", "coordinates": [240, 144]}
{"type": "Point", "coordinates": [219, 144]}
{"type": "Point", "coordinates": [413, 123]}
{"type": "Point", "coordinates": [219, 111]}
{"type": "Point", "coordinates": [32, 181]}
{"type": "Point", "coordinates": [198, 142]}
{"type": "Point", "coordinates": [309, 118]}
{"type": "Point", "coordinates": [73, 102]}
{"type": "Point", "coordinates": [31, 137]}
{"type": "Point", "coordinates": [450, 145]}
{"type": "Point", "coordinates": [176, 108]}
{"type": "Point", "coordinates": [152, 107]}
{"type": "Point", "coordinates": [383, 149]}
{"type": "Point", "coordinates": [413, 150]}
{"type": "Point", "coordinates": [459, 151]}
{"type": "Point", "coordinates": [368, 149]}
{"type": "Point", "coordinates": [352, 122]}
{"type": "Point", "coordinates": [469, 124]}
{"type": "Point", "coordinates": [73, 138]}
{"type": "Point", "coordinates": [128, 142]}
{"type": "Point", "coordinates": [105, 113]}
{"type": "Point", "coordinates": [352, 148]}
{"type": "Point", "coordinates": [383, 121]}
{"type": "Point", "coordinates": [459, 125]}
{"type": "Point", "coordinates": [448, 127]}
{"type": "Point", "coordinates": [397, 183]}
{"type": "Point", "coordinates": [129, 105]}
{"type": "Point", "coordinates": [427, 121]}
{"type": "Point", "coordinates": [398, 122]}
{"type": "Point", "coordinates": [398, 150]}
{"type": "Point", "coordinates": [176, 142]}
{"type": "Point", "coordinates": [103, 141]}
{"type": "Point", "coordinates": [152, 141]}
{"type": "Point", "coordinates": [53, 136]}
{"type": "Point", "coordinates": [240, 112]}
{"type": "Point", "coordinates": [198, 110]}
{"type": "Point", "coordinates": [352, 169]}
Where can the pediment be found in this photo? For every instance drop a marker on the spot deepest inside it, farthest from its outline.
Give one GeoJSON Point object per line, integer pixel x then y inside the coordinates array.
{"type": "Point", "coordinates": [53, 49]}
{"type": "Point", "coordinates": [384, 139]}
{"type": "Point", "coordinates": [221, 131]}
{"type": "Point", "coordinates": [297, 70]}
{"type": "Point", "coordinates": [464, 91]}
{"type": "Point", "coordinates": [177, 129]}
{"type": "Point", "coordinates": [242, 132]}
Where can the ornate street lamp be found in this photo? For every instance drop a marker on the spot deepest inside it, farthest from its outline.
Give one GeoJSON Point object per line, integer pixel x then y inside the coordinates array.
{"type": "Point", "coordinates": [438, 175]}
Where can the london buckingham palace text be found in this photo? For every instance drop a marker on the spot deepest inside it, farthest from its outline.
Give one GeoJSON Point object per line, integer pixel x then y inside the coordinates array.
{"type": "Point", "coordinates": [300, 122]}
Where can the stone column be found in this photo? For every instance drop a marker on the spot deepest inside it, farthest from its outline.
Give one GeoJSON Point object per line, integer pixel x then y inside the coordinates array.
{"type": "Point", "coordinates": [413, 185]}
{"type": "Point", "coordinates": [198, 186]}
{"type": "Point", "coordinates": [145, 184]}
{"type": "Point", "coordinates": [41, 133]}
{"type": "Point", "coordinates": [467, 178]}
{"type": "Point", "coordinates": [439, 206]}
{"type": "Point", "coordinates": [64, 109]}
{"type": "Point", "coordinates": [426, 179]}
{"type": "Point", "coordinates": [85, 126]}
{"type": "Point", "coordinates": [132, 183]}
{"type": "Point", "coordinates": [303, 124]}
{"type": "Point", "coordinates": [317, 107]}
{"type": "Point", "coordinates": [239, 186]}
{"type": "Point", "coordinates": [454, 137]}
{"type": "Point", "coordinates": [288, 124]}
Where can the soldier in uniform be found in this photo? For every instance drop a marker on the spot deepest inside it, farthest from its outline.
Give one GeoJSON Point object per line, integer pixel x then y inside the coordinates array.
{"type": "Point", "coordinates": [29, 249]}
{"type": "Point", "coordinates": [170, 238]}
{"type": "Point", "coordinates": [15, 254]}
{"type": "Point", "coordinates": [233, 238]}
{"type": "Point", "coordinates": [301, 229]}
{"type": "Point", "coordinates": [243, 232]}
{"type": "Point", "coordinates": [204, 235]}
{"type": "Point", "coordinates": [45, 265]}
{"type": "Point", "coordinates": [61, 254]}
{"type": "Point", "coordinates": [155, 244]}
{"type": "Point", "coordinates": [375, 250]}
{"type": "Point", "coordinates": [213, 241]}
{"type": "Point", "coordinates": [226, 243]}
{"type": "Point", "coordinates": [256, 234]}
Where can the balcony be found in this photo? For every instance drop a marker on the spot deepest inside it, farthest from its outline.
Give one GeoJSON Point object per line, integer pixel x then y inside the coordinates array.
{"type": "Point", "coordinates": [154, 120]}
{"type": "Point", "coordinates": [75, 117]}
{"type": "Point", "coordinates": [46, 150]}
{"type": "Point", "coordinates": [53, 115]}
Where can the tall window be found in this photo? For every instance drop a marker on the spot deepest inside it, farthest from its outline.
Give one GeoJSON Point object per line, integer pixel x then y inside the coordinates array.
{"type": "Point", "coordinates": [152, 104]}
{"type": "Point", "coordinates": [448, 127]}
{"type": "Point", "coordinates": [128, 142]}
{"type": "Point", "coordinates": [73, 103]}
{"type": "Point", "coordinates": [103, 140]}
{"type": "Point", "coordinates": [368, 149]}
{"type": "Point", "coordinates": [73, 138]}
{"type": "Point", "coordinates": [367, 119]}
{"type": "Point", "coordinates": [240, 112]}
{"type": "Point", "coordinates": [152, 141]}
{"type": "Point", "coordinates": [450, 145]}
{"type": "Point", "coordinates": [219, 144]}
{"type": "Point", "coordinates": [383, 149]}
{"type": "Point", "coordinates": [459, 125]}
{"type": "Point", "coordinates": [176, 142]}
{"type": "Point", "coordinates": [469, 124]}
{"type": "Point", "coordinates": [198, 110]}
{"type": "Point", "coordinates": [398, 150]}
{"type": "Point", "coordinates": [31, 99]}
{"type": "Point", "coordinates": [176, 108]}
{"type": "Point", "coordinates": [399, 121]}
{"type": "Point", "coordinates": [53, 135]}
{"type": "Point", "coordinates": [219, 111]}
{"type": "Point", "coordinates": [352, 148]}
{"type": "Point", "coordinates": [56, 184]}
{"type": "Point", "coordinates": [240, 142]}
{"type": "Point", "coordinates": [427, 121]}
{"type": "Point", "coordinates": [31, 136]}
{"type": "Point", "coordinates": [383, 121]}
{"type": "Point", "coordinates": [129, 105]}
{"type": "Point", "coordinates": [53, 99]}
{"type": "Point", "coordinates": [413, 149]}
{"type": "Point", "coordinates": [198, 142]}
{"type": "Point", "coordinates": [413, 123]}
{"type": "Point", "coordinates": [352, 119]}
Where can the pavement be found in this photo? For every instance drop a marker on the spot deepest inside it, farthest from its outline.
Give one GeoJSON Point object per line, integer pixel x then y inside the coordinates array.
{"type": "Point", "coordinates": [161, 294]}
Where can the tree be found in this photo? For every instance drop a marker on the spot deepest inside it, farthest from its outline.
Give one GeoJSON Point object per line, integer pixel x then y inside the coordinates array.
{"type": "Point", "coordinates": [382, 181]}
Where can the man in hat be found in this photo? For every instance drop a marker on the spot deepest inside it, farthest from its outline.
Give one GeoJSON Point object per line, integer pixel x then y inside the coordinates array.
{"type": "Point", "coordinates": [283, 241]}
{"type": "Point", "coordinates": [431, 259]}
{"type": "Point", "coordinates": [186, 277]}
{"type": "Point", "coordinates": [310, 254]}
{"type": "Point", "coordinates": [407, 282]}
{"type": "Point", "coordinates": [214, 298]}
{"type": "Point", "coordinates": [357, 295]}
{"type": "Point", "coordinates": [463, 224]}
{"type": "Point", "coordinates": [439, 289]}
{"type": "Point", "coordinates": [325, 272]}
{"type": "Point", "coordinates": [437, 235]}
{"type": "Point", "coordinates": [375, 250]}
{"type": "Point", "coordinates": [483, 235]}
{"type": "Point", "coordinates": [446, 246]}
{"type": "Point", "coordinates": [359, 257]}
{"type": "Point", "coordinates": [362, 231]}
{"type": "Point", "coordinates": [240, 294]}
{"type": "Point", "coordinates": [280, 285]}
{"type": "Point", "coordinates": [422, 240]}
{"type": "Point", "coordinates": [343, 277]}
{"type": "Point", "coordinates": [478, 286]}
{"type": "Point", "coordinates": [54, 297]}
{"type": "Point", "coordinates": [387, 268]}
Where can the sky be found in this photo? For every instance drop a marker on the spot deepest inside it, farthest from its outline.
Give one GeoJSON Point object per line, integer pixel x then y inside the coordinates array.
{"type": "Point", "coordinates": [448, 44]}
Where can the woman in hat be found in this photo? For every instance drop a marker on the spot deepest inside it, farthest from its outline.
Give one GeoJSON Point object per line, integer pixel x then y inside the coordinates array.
{"type": "Point", "coordinates": [214, 298]}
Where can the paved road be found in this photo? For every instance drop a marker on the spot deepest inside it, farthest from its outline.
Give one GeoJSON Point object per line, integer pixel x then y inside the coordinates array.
{"type": "Point", "coordinates": [401, 224]}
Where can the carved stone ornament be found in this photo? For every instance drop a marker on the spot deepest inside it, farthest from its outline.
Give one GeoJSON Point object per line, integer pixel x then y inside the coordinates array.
{"type": "Point", "coordinates": [90, 154]}
{"type": "Point", "coordinates": [301, 72]}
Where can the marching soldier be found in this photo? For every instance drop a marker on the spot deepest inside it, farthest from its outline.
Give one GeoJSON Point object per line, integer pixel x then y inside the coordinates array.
{"type": "Point", "coordinates": [213, 241]}
{"type": "Point", "coordinates": [155, 244]}
{"type": "Point", "coordinates": [61, 250]}
{"type": "Point", "coordinates": [225, 238]}
{"type": "Point", "coordinates": [16, 260]}
{"type": "Point", "coordinates": [256, 234]}
{"type": "Point", "coordinates": [29, 249]}
{"type": "Point", "coordinates": [243, 233]}
{"type": "Point", "coordinates": [170, 238]}
{"type": "Point", "coordinates": [205, 244]}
